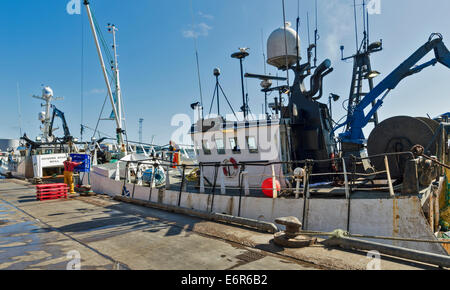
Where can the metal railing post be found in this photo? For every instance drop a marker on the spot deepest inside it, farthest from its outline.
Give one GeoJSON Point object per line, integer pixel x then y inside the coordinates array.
{"type": "Point", "coordinates": [240, 188]}
{"type": "Point", "coordinates": [388, 173]}
{"type": "Point", "coordinates": [216, 166]}
{"type": "Point", "coordinates": [151, 182]}
{"type": "Point", "coordinates": [182, 184]}
{"type": "Point", "coordinates": [222, 182]}
{"type": "Point", "coordinates": [117, 177]}
{"type": "Point", "coordinates": [202, 179]}
{"type": "Point", "coordinates": [306, 195]}
{"type": "Point", "coordinates": [168, 177]}
{"type": "Point", "coordinates": [274, 186]}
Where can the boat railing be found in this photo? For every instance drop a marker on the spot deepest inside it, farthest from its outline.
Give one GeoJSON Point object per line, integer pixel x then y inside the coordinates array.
{"type": "Point", "coordinates": [343, 176]}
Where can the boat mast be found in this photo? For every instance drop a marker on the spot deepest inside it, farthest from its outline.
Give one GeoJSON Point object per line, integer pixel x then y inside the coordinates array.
{"type": "Point", "coordinates": [119, 130]}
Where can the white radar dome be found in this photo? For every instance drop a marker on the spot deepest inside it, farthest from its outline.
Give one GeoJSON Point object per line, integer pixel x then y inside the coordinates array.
{"type": "Point", "coordinates": [47, 92]}
{"type": "Point", "coordinates": [42, 116]}
{"type": "Point", "coordinates": [276, 47]}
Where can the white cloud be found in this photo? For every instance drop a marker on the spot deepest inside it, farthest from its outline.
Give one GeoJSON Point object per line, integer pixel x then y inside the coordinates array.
{"type": "Point", "coordinates": [207, 16]}
{"type": "Point", "coordinates": [338, 27]}
{"type": "Point", "coordinates": [97, 91]}
{"type": "Point", "coordinates": [201, 29]}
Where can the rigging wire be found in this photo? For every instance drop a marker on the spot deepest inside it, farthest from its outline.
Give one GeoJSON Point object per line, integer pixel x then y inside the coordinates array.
{"type": "Point", "coordinates": [105, 46]}
{"type": "Point", "coordinates": [196, 55]}
{"type": "Point", "coordinates": [19, 109]}
{"type": "Point", "coordinates": [100, 115]}
{"type": "Point", "coordinates": [113, 80]}
{"type": "Point", "coordinates": [82, 79]}
{"type": "Point", "coordinates": [285, 42]}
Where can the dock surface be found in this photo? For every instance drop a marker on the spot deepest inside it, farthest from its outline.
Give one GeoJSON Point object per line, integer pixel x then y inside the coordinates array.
{"type": "Point", "coordinates": [94, 233]}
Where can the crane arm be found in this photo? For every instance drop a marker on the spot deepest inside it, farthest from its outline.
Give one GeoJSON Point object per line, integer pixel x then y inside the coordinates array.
{"type": "Point", "coordinates": [357, 120]}
{"type": "Point", "coordinates": [59, 114]}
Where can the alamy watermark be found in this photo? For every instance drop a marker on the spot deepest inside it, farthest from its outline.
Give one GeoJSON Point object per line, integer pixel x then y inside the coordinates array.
{"type": "Point", "coordinates": [375, 260]}
{"type": "Point", "coordinates": [211, 134]}
{"type": "Point", "coordinates": [74, 7]}
{"type": "Point", "coordinates": [74, 260]}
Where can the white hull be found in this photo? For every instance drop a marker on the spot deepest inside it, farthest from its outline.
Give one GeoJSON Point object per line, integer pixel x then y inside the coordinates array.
{"type": "Point", "coordinates": [390, 217]}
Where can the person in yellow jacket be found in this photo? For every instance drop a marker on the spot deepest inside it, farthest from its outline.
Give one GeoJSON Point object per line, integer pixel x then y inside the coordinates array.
{"type": "Point", "coordinates": [69, 167]}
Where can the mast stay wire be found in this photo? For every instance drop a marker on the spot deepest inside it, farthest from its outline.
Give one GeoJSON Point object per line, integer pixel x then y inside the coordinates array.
{"type": "Point", "coordinates": [82, 79]}
{"type": "Point", "coordinates": [100, 116]}
{"type": "Point", "coordinates": [196, 55]}
{"type": "Point", "coordinates": [112, 76]}
{"type": "Point", "coordinates": [285, 43]}
{"type": "Point", "coordinates": [105, 46]}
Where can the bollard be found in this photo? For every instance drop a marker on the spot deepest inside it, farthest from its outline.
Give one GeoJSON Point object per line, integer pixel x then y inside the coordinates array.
{"type": "Point", "coordinates": [292, 237]}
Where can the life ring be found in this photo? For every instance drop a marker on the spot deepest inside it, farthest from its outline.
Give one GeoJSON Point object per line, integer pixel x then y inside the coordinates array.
{"type": "Point", "coordinates": [230, 167]}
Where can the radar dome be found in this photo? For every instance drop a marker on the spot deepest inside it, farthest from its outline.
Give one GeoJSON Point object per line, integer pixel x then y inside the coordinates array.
{"type": "Point", "coordinates": [276, 47]}
{"type": "Point", "coordinates": [47, 92]}
{"type": "Point", "coordinates": [42, 116]}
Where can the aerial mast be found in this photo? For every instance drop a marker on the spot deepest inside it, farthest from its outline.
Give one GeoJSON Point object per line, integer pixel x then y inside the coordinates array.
{"type": "Point", "coordinates": [112, 29]}
{"type": "Point", "coordinates": [47, 97]}
{"type": "Point", "coordinates": [141, 121]}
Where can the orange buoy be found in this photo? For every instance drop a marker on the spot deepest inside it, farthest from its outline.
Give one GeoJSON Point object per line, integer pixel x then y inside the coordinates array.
{"type": "Point", "coordinates": [267, 187]}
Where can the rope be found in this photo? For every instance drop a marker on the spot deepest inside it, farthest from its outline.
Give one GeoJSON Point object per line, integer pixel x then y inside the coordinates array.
{"type": "Point", "coordinates": [342, 234]}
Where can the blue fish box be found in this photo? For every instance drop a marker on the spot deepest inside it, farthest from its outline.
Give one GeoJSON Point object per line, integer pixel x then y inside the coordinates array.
{"type": "Point", "coordinates": [86, 159]}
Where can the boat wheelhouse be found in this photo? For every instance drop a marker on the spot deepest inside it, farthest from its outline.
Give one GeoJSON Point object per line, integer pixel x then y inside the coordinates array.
{"type": "Point", "coordinates": [228, 143]}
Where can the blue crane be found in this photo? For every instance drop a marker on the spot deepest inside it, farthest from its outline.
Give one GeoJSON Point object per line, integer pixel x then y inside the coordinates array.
{"type": "Point", "coordinates": [357, 119]}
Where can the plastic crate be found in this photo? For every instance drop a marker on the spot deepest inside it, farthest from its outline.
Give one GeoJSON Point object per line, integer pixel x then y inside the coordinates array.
{"type": "Point", "coordinates": [86, 166]}
{"type": "Point", "coordinates": [51, 191]}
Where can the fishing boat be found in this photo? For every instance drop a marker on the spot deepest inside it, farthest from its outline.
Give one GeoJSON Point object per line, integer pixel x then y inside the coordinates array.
{"type": "Point", "coordinates": [42, 157]}
{"type": "Point", "coordinates": [291, 162]}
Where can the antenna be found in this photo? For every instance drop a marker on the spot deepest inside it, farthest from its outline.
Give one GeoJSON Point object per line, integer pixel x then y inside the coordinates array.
{"type": "Point", "coordinates": [141, 121]}
{"type": "Point", "coordinates": [368, 27]}
{"type": "Point", "coordinates": [307, 20]}
{"type": "Point", "coordinates": [356, 24]}
{"type": "Point", "coordinates": [298, 25]}
{"type": "Point", "coordinates": [263, 51]}
{"type": "Point", "coordinates": [19, 109]}
{"type": "Point", "coordinates": [196, 55]}
{"type": "Point", "coordinates": [316, 37]}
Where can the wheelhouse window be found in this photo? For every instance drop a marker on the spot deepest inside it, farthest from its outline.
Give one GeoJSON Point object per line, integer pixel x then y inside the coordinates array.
{"type": "Point", "coordinates": [252, 146]}
{"type": "Point", "coordinates": [220, 146]}
{"type": "Point", "coordinates": [234, 145]}
{"type": "Point", "coordinates": [206, 148]}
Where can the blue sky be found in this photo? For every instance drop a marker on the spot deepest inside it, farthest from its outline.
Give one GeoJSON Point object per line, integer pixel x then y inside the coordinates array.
{"type": "Point", "coordinates": [42, 44]}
